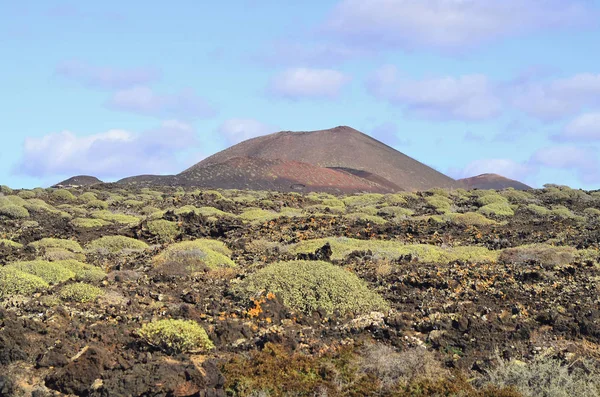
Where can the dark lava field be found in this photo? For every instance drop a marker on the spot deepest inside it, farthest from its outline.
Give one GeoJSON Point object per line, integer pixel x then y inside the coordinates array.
{"type": "Point", "coordinates": [122, 291]}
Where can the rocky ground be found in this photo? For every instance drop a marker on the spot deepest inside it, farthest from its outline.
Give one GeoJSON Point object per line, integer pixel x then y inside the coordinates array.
{"type": "Point", "coordinates": [453, 325]}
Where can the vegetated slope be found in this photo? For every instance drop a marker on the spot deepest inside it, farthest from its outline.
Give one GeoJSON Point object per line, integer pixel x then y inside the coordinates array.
{"type": "Point", "coordinates": [80, 180]}
{"type": "Point", "coordinates": [339, 147]}
{"type": "Point", "coordinates": [265, 174]}
{"type": "Point", "coordinates": [492, 181]}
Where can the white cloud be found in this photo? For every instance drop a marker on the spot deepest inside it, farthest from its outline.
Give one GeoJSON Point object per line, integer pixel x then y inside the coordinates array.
{"type": "Point", "coordinates": [584, 127]}
{"type": "Point", "coordinates": [111, 154]}
{"type": "Point", "coordinates": [104, 76]}
{"type": "Point", "coordinates": [554, 99]}
{"type": "Point", "coordinates": [237, 130]}
{"type": "Point", "coordinates": [143, 100]}
{"type": "Point", "coordinates": [468, 97]}
{"type": "Point", "coordinates": [449, 25]}
{"type": "Point", "coordinates": [298, 83]}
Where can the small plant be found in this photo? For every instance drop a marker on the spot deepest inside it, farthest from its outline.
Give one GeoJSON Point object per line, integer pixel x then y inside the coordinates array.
{"type": "Point", "coordinates": [63, 195]}
{"type": "Point", "coordinates": [5, 189]}
{"type": "Point", "coordinates": [14, 211]}
{"type": "Point", "coordinates": [50, 272]}
{"type": "Point", "coordinates": [80, 292]}
{"type": "Point", "coordinates": [26, 194]}
{"type": "Point", "coordinates": [497, 209]}
{"type": "Point", "coordinates": [108, 216]}
{"type": "Point", "coordinates": [308, 286]}
{"type": "Point", "coordinates": [10, 243]}
{"type": "Point", "coordinates": [16, 282]}
{"type": "Point", "coordinates": [257, 215]}
{"type": "Point", "coordinates": [89, 223]}
{"type": "Point", "coordinates": [166, 231]}
{"type": "Point", "coordinates": [440, 203]}
{"type": "Point", "coordinates": [96, 204]}
{"type": "Point", "coordinates": [547, 377]}
{"type": "Point", "coordinates": [116, 244]}
{"type": "Point", "coordinates": [87, 197]}
{"type": "Point", "coordinates": [537, 210]}
{"type": "Point", "coordinates": [176, 336]}
{"type": "Point", "coordinates": [469, 219]}
{"type": "Point", "coordinates": [491, 199]}
{"type": "Point", "coordinates": [83, 271]}
{"type": "Point", "coordinates": [46, 243]}
{"type": "Point", "coordinates": [196, 255]}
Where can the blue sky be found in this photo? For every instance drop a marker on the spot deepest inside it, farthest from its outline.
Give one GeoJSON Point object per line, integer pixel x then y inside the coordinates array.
{"type": "Point", "coordinates": [118, 88]}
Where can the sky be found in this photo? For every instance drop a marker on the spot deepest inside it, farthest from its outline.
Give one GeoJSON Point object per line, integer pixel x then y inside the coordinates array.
{"type": "Point", "coordinates": [116, 88]}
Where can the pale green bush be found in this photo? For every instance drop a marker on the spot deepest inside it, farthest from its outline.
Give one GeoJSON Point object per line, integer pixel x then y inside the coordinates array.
{"type": "Point", "coordinates": [497, 209]}
{"type": "Point", "coordinates": [14, 211]}
{"type": "Point", "coordinates": [196, 255]}
{"type": "Point", "coordinates": [45, 243]}
{"type": "Point", "coordinates": [80, 292]}
{"type": "Point", "coordinates": [308, 286]}
{"type": "Point", "coordinates": [16, 282]}
{"type": "Point", "coordinates": [63, 195]}
{"type": "Point", "coordinates": [166, 231]}
{"type": "Point", "coordinates": [50, 272]}
{"type": "Point", "coordinates": [116, 244]}
{"type": "Point", "coordinates": [88, 223]}
{"type": "Point", "coordinates": [117, 218]}
{"type": "Point", "coordinates": [176, 336]}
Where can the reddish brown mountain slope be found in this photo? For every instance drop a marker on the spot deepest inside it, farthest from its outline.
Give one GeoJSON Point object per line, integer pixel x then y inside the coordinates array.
{"type": "Point", "coordinates": [264, 174]}
{"type": "Point", "coordinates": [492, 181]}
{"type": "Point", "coordinates": [339, 148]}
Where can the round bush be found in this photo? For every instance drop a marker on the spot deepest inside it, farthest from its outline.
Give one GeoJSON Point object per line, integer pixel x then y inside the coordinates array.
{"type": "Point", "coordinates": [16, 282]}
{"type": "Point", "coordinates": [116, 244]}
{"type": "Point", "coordinates": [80, 292]}
{"type": "Point", "coordinates": [13, 211]}
{"type": "Point", "coordinates": [176, 336]}
{"type": "Point", "coordinates": [63, 195]}
{"type": "Point", "coordinates": [45, 243]}
{"type": "Point", "coordinates": [50, 272]}
{"type": "Point", "coordinates": [196, 255]}
{"type": "Point", "coordinates": [312, 285]}
{"type": "Point", "coordinates": [166, 231]}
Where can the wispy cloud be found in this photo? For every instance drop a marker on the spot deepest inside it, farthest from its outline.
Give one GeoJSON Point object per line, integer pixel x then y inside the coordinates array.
{"type": "Point", "coordinates": [503, 166]}
{"type": "Point", "coordinates": [450, 25]}
{"type": "Point", "coordinates": [468, 97]}
{"type": "Point", "coordinates": [306, 83]}
{"type": "Point", "coordinates": [106, 77]}
{"type": "Point", "coordinates": [237, 130]}
{"type": "Point", "coordinates": [111, 154]}
{"type": "Point", "coordinates": [144, 100]}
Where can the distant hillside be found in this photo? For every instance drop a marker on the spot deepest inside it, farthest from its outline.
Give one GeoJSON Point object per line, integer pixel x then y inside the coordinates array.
{"type": "Point", "coordinates": [80, 180]}
{"type": "Point", "coordinates": [263, 174]}
{"type": "Point", "coordinates": [339, 148]}
{"type": "Point", "coordinates": [492, 181]}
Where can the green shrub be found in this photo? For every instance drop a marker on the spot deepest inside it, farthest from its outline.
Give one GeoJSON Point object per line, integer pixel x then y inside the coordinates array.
{"type": "Point", "coordinates": [196, 255]}
{"type": "Point", "coordinates": [497, 209]}
{"type": "Point", "coordinates": [10, 243]}
{"type": "Point", "coordinates": [80, 292]}
{"type": "Point", "coordinates": [439, 203]}
{"type": "Point", "coordinates": [87, 197]}
{"type": "Point", "coordinates": [88, 223]}
{"type": "Point", "coordinates": [117, 218]}
{"type": "Point", "coordinates": [45, 243]}
{"type": "Point", "coordinates": [14, 211]}
{"type": "Point", "coordinates": [176, 336]}
{"type": "Point", "coordinates": [547, 377]}
{"type": "Point", "coordinates": [546, 254]}
{"type": "Point", "coordinates": [16, 200]}
{"type": "Point", "coordinates": [257, 215]}
{"type": "Point", "coordinates": [382, 249]}
{"type": "Point", "coordinates": [166, 231]}
{"type": "Point", "coordinates": [396, 212]}
{"type": "Point", "coordinates": [361, 217]}
{"type": "Point", "coordinates": [50, 272]}
{"type": "Point", "coordinates": [60, 254]}
{"type": "Point", "coordinates": [16, 282]}
{"type": "Point", "coordinates": [116, 244]}
{"type": "Point", "coordinates": [537, 210]}
{"type": "Point", "coordinates": [491, 199]}
{"type": "Point", "coordinates": [362, 200]}
{"type": "Point", "coordinates": [26, 194]}
{"type": "Point", "coordinates": [333, 202]}
{"type": "Point", "coordinates": [63, 195]}
{"type": "Point", "coordinates": [134, 203]}
{"type": "Point", "coordinates": [517, 196]}
{"type": "Point", "coordinates": [5, 189]}
{"type": "Point", "coordinates": [395, 199]}
{"type": "Point", "coordinates": [594, 212]}
{"type": "Point", "coordinates": [83, 271]}
{"type": "Point", "coordinates": [39, 206]}
{"type": "Point", "coordinates": [97, 204]}
{"type": "Point", "coordinates": [469, 219]}
{"type": "Point", "coordinates": [563, 212]}
{"type": "Point", "coordinates": [308, 286]}
{"type": "Point", "coordinates": [213, 212]}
